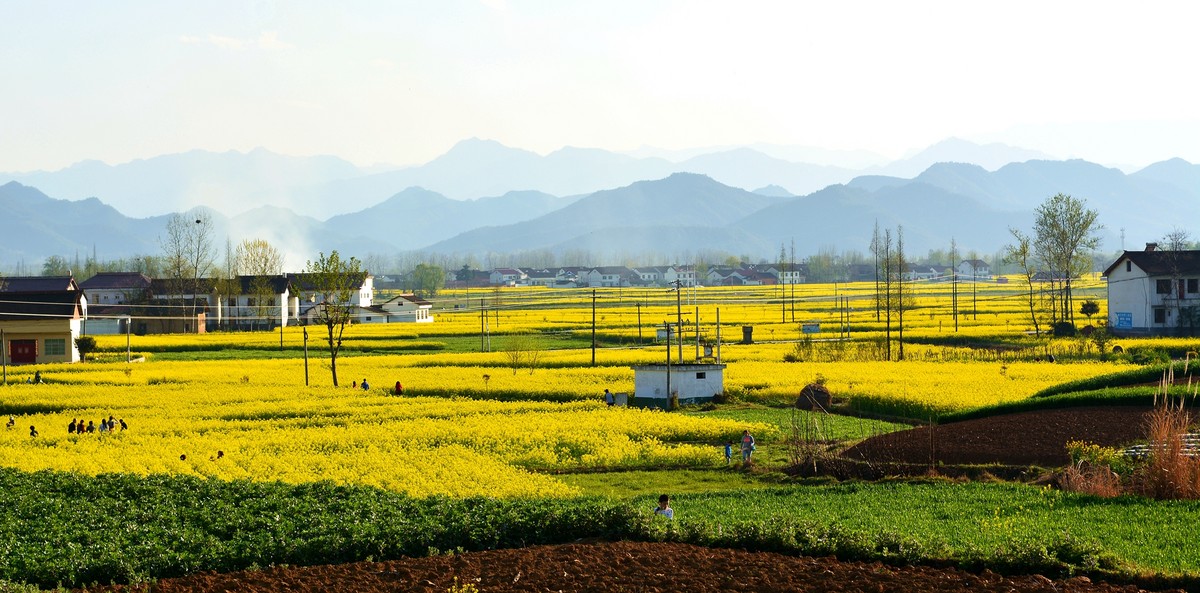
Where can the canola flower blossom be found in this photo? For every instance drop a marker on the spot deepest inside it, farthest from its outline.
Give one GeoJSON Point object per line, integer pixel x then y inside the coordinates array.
{"type": "Point", "coordinates": [421, 446]}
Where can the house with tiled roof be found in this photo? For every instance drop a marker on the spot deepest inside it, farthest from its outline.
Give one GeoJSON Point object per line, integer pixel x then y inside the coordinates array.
{"type": "Point", "coordinates": [608, 276]}
{"type": "Point", "coordinates": [40, 318]}
{"type": "Point", "coordinates": [1154, 292]}
{"type": "Point", "coordinates": [974, 269]}
{"type": "Point", "coordinates": [116, 288]}
{"type": "Point", "coordinates": [402, 308]}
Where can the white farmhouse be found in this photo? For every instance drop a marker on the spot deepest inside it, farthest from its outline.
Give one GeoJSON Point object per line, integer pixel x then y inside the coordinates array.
{"type": "Point", "coordinates": [403, 308]}
{"type": "Point", "coordinates": [1154, 292]}
{"type": "Point", "coordinates": [692, 383]}
{"type": "Point", "coordinates": [974, 269]}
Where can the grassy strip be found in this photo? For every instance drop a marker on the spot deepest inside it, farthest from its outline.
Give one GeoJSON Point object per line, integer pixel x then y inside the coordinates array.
{"type": "Point", "coordinates": [833, 426]}
{"type": "Point", "coordinates": [1128, 396]}
{"type": "Point", "coordinates": [1147, 374]}
{"type": "Point", "coordinates": [1004, 527]}
{"type": "Point", "coordinates": [73, 530]}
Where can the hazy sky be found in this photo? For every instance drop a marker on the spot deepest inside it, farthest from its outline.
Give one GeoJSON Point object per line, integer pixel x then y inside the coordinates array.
{"type": "Point", "coordinates": [401, 82]}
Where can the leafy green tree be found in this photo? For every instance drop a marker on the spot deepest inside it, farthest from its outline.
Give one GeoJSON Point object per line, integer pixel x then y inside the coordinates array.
{"type": "Point", "coordinates": [1064, 237]}
{"type": "Point", "coordinates": [335, 282]}
{"type": "Point", "coordinates": [1088, 308]}
{"type": "Point", "coordinates": [428, 279]}
{"type": "Point", "coordinates": [85, 345]}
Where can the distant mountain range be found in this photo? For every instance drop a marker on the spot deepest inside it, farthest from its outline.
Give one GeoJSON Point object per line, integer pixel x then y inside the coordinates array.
{"type": "Point", "coordinates": [324, 186]}
{"type": "Point", "coordinates": [674, 217]}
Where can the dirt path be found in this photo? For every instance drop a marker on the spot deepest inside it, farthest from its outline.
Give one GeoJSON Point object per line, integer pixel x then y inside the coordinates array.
{"type": "Point", "coordinates": [619, 567]}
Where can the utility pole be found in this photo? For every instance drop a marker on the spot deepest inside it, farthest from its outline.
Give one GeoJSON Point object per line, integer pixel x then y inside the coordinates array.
{"type": "Point", "coordinates": [679, 318]}
{"type": "Point", "coordinates": [639, 313]}
{"type": "Point", "coordinates": [668, 326]}
{"type": "Point", "coordinates": [593, 327]}
{"type": "Point", "coordinates": [306, 357]}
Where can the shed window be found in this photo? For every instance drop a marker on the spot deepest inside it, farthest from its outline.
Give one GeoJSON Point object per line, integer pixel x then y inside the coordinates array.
{"type": "Point", "coordinates": [1162, 286]}
{"type": "Point", "coordinates": [700, 375]}
{"type": "Point", "coordinates": [56, 346]}
{"type": "Point", "coordinates": [1160, 315]}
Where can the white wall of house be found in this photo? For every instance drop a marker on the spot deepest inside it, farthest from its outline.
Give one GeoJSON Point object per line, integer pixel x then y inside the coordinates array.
{"type": "Point", "coordinates": [693, 382]}
{"type": "Point", "coordinates": [1139, 303]}
{"type": "Point", "coordinates": [685, 275]}
{"type": "Point", "coordinates": [242, 308]}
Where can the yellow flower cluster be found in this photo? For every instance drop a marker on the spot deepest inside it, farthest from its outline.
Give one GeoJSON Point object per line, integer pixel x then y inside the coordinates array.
{"type": "Point", "coordinates": [422, 446]}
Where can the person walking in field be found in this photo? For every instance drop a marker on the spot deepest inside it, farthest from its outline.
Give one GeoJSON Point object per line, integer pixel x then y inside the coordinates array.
{"type": "Point", "coordinates": [399, 388]}
{"type": "Point", "coordinates": [364, 384]}
{"type": "Point", "coordinates": [747, 446]}
{"type": "Point", "coordinates": [728, 452]}
{"type": "Point", "coordinates": [32, 431]}
{"type": "Point", "coordinates": [608, 397]}
{"type": "Point", "coordinates": [71, 427]}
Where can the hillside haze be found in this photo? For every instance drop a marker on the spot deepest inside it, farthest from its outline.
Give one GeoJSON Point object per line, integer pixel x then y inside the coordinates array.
{"type": "Point", "coordinates": [672, 215]}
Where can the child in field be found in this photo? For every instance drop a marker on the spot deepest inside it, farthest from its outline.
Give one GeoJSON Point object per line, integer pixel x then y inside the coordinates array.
{"type": "Point", "coordinates": [664, 507]}
{"type": "Point", "coordinates": [728, 452]}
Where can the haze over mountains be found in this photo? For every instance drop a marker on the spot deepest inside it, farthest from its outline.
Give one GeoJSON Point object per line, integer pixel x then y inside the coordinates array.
{"type": "Point", "coordinates": [483, 197]}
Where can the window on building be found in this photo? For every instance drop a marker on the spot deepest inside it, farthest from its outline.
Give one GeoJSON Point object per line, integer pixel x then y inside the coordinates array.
{"type": "Point", "coordinates": [1160, 315]}
{"type": "Point", "coordinates": [1193, 285]}
{"type": "Point", "coordinates": [56, 346]}
{"type": "Point", "coordinates": [250, 302]}
{"type": "Point", "coordinates": [701, 375]}
{"type": "Point", "coordinates": [232, 301]}
{"type": "Point", "coordinates": [1162, 286]}
{"type": "Point", "coordinates": [1128, 266]}
{"type": "Point", "coordinates": [271, 302]}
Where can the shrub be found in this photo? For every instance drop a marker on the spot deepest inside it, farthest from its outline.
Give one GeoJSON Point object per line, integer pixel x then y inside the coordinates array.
{"type": "Point", "coordinates": [1064, 329]}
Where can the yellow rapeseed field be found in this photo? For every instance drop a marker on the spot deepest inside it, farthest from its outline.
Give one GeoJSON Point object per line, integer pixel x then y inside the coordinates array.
{"type": "Point", "coordinates": [422, 445]}
{"type": "Point", "coordinates": [472, 423]}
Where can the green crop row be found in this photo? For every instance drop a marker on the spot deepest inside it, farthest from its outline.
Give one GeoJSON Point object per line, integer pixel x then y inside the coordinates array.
{"type": "Point", "coordinates": [1136, 376]}
{"type": "Point", "coordinates": [72, 530]}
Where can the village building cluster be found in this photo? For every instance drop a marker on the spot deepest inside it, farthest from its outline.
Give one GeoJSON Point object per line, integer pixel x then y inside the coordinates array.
{"type": "Point", "coordinates": [1150, 292]}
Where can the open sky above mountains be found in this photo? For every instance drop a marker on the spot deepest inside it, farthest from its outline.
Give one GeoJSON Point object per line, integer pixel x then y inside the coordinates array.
{"type": "Point", "coordinates": [400, 83]}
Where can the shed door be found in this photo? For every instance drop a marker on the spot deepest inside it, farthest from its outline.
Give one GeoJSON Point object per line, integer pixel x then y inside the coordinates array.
{"type": "Point", "coordinates": [22, 351]}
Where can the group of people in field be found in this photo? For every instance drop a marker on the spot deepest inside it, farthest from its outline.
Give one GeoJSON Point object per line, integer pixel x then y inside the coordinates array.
{"type": "Point", "coordinates": [109, 424]}
{"type": "Point", "coordinates": [398, 390]}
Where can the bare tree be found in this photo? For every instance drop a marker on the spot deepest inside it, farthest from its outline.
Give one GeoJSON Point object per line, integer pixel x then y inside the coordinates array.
{"type": "Point", "coordinates": [522, 351]}
{"type": "Point", "coordinates": [260, 260]}
{"type": "Point", "coordinates": [257, 257]}
{"type": "Point", "coordinates": [335, 282]}
{"type": "Point", "coordinates": [1020, 253]}
{"type": "Point", "coordinates": [1173, 244]}
{"type": "Point", "coordinates": [188, 253]}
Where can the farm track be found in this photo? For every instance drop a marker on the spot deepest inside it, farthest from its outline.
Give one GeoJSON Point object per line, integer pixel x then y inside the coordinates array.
{"type": "Point", "coordinates": [619, 567]}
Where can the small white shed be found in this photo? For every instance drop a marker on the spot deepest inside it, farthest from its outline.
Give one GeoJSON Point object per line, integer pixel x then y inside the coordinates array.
{"type": "Point", "coordinates": [693, 383]}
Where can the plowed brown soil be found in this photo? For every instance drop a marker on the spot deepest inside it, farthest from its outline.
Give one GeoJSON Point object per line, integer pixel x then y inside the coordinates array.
{"type": "Point", "coordinates": [1025, 438]}
{"type": "Point", "coordinates": [619, 567]}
